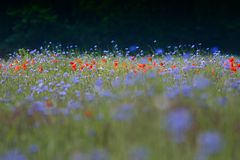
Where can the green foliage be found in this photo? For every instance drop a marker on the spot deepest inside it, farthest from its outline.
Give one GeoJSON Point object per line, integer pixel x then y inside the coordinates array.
{"type": "Point", "coordinates": [31, 16]}
{"type": "Point", "coordinates": [31, 24]}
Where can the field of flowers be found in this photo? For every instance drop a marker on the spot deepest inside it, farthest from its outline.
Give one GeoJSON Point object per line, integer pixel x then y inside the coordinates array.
{"type": "Point", "coordinates": [178, 104]}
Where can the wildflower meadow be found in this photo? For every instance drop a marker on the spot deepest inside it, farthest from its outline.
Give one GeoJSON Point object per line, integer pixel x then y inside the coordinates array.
{"type": "Point", "coordinates": [178, 103]}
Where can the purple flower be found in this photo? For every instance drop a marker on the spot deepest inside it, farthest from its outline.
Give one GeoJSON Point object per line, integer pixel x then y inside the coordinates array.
{"type": "Point", "coordinates": [65, 111]}
{"type": "Point", "coordinates": [65, 74]}
{"type": "Point", "coordinates": [40, 83]}
{"type": "Point", "coordinates": [178, 122]}
{"type": "Point", "coordinates": [106, 93]}
{"type": "Point", "coordinates": [139, 153]}
{"type": "Point", "coordinates": [37, 107]}
{"type": "Point", "coordinates": [33, 148]}
{"type": "Point", "coordinates": [210, 142]}
{"type": "Point", "coordinates": [79, 156]}
{"type": "Point", "coordinates": [133, 48]}
{"type": "Point", "coordinates": [76, 80]}
{"type": "Point", "coordinates": [116, 82]}
{"type": "Point", "coordinates": [177, 76]}
{"type": "Point", "coordinates": [33, 51]}
{"type": "Point", "coordinates": [124, 112]}
{"type": "Point", "coordinates": [98, 154]}
{"type": "Point", "coordinates": [143, 60]}
{"type": "Point", "coordinates": [20, 90]}
{"type": "Point", "coordinates": [152, 75]}
{"type": "Point", "coordinates": [78, 93]}
{"type": "Point", "coordinates": [129, 80]}
{"type": "Point", "coordinates": [66, 86]}
{"type": "Point", "coordinates": [13, 155]}
{"type": "Point", "coordinates": [89, 96]}
{"type": "Point", "coordinates": [172, 92]}
{"type": "Point", "coordinates": [73, 105]}
{"type": "Point", "coordinates": [159, 51]}
{"type": "Point", "coordinates": [200, 82]}
{"type": "Point", "coordinates": [187, 90]}
{"type": "Point", "coordinates": [214, 49]}
{"type": "Point", "coordinates": [98, 84]}
{"type": "Point", "coordinates": [63, 93]}
{"type": "Point", "coordinates": [186, 55]}
{"type": "Point", "coordinates": [222, 101]}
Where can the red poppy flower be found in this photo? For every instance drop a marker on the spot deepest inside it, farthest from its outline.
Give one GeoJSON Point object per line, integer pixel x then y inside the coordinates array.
{"type": "Point", "coordinates": [104, 60]}
{"type": "Point", "coordinates": [141, 65]}
{"type": "Point", "coordinates": [231, 59]}
{"type": "Point", "coordinates": [88, 114]}
{"type": "Point", "coordinates": [174, 66]}
{"type": "Point", "coordinates": [72, 62]}
{"type": "Point", "coordinates": [40, 69]}
{"type": "Point", "coordinates": [149, 59]}
{"type": "Point", "coordinates": [74, 67]}
{"type": "Point", "coordinates": [82, 67]}
{"type": "Point", "coordinates": [233, 69]}
{"type": "Point", "coordinates": [161, 64]}
{"type": "Point", "coordinates": [17, 68]}
{"type": "Point", "coordinates": [24, 66]}
{"type": "Point", "coordinates": [115, 64]}
{"type": "Point", "coordinates": [55, 60]}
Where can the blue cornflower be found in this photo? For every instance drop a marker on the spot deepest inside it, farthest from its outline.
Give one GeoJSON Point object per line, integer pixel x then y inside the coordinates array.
{"type": "Point", "coordinates": [75, 80]}
{"type": "Point", "coordinates": [138, 92]}
{"type": "Point", "coordinates": [65, 74]}
{"type": "Point", "coordinates": [129, 80]}
{"type": "Point", "coordinates": [98, 154]}
{"type": "Point", "coordinates": [13, 155]}
{"type": "Point", "coordinates": [89, 96]}
{"type": "Point", "coordinates": [99, 83]}
{"type": "Point", "coordinates": [178, 122]}
{"type": "Point", "coordinates": [33, 148]}
{"type": "Point", "coordinates": [116, 82]}
{"type": "Point", "coordinates": [124, 112]}
{"type": "Point", "coordinates": [133, 48]}
{"type": "Point", "coordinates": [209, 142]}
{"type": "Point", "coordinates": [62, 93]}
{"type": "Point", "coordinates": [200, 82]}
{"type": "Point", "coordinates": [37, 107]}
{"type": "Point", "coordinates": [214, 49]}
{"type": "Point", "coordinates": [171, 92]}
{"type": "Point", "coordinates": [78, 93]}
{"type": "Point", "coordinates": [159, 51]}
{"type": "Point", "coordinates": [222, 101]}
{"type": "Point", "coordinates": [186, 55]}
{"type": "Point", "coordinates": [106, 93]}
{"type": "Point", "coordinates": [139, 153]}
{"type": "Point", "coordinates": [79, 156]}
{"type": "Point", "coordinates": [74, 105]}
{"type": "Point", "coordinates": [186, 90]}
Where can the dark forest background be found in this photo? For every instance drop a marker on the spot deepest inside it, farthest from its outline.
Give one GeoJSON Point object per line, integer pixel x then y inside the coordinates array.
{"type": "Point", "coordinates": [25, 23]}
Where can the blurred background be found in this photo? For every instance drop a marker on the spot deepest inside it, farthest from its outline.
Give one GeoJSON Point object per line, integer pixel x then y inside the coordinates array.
{"type": "Point", "coordinates": [30, 24]}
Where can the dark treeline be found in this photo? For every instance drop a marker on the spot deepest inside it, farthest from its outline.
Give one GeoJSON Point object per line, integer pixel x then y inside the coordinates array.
{"type": "Point", "coordinates": [26, 23]}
